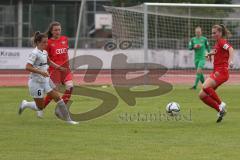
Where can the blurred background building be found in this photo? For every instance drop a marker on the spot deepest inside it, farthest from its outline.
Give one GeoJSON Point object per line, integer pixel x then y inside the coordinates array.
{"type": "Point", "coordinates": [20, 18]}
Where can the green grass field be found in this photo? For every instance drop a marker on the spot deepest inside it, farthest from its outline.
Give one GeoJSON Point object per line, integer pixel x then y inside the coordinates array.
{"type": "Point", "coordinates": [110, 137]}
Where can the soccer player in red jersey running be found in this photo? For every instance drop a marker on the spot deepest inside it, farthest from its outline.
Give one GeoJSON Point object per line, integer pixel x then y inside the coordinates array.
{"type": "Point", "coordinates": [58, 53]}
{"type": "Point", "coordinates": [223, 56]}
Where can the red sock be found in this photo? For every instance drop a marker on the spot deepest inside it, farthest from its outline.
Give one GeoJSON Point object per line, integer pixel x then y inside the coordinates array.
{"type": "Point", "coordinates": [47, 100]}
{"type": "Point", "coordinates": [211, 92]}
{"type": "Point", "coordinates": [210, 102]}
{"type": "Point", "coordinates": [67, 95]}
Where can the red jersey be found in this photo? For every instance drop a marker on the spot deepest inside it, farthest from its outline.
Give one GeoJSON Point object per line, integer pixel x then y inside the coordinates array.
{"type": "Point", "coordinates": [58, 51]}
{"type": "Point", "coordinates": [221, 54]}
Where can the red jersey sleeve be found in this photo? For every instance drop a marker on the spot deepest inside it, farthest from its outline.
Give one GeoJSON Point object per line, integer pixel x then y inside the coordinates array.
{"type": "Point", "coordinates": [224, 44]}
{"type": "Point", "coordinates": [222, 54]}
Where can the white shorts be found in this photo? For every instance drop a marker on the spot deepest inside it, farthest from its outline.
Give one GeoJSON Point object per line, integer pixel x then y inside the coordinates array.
{"type": "Point", "coordinates": [38, 89]}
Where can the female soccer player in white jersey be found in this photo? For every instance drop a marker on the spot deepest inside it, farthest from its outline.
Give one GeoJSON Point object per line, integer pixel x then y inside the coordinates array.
{"type": "Point", "coordinates": [39, 81]}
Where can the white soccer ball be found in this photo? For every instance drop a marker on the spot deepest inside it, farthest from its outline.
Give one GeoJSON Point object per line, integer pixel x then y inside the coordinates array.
{"type": "Point", "coordinates": [173, 108]}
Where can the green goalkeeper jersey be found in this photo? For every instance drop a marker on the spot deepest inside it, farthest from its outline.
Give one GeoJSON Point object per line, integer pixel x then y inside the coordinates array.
{"type": "Point", "coordinates": [199, 52]}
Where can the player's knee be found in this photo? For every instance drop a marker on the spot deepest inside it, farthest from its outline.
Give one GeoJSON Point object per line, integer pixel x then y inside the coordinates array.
{"type": "Point", "coordinates": [202, 94]}
{"type": "Point", "coordinates": [216, 74]}
{"type": "Point", "coordinates": [205, 86]}
{"type": "Point", "coordinates": [69, 85]}
{"type": "Point", "coordinates": [57, 98]}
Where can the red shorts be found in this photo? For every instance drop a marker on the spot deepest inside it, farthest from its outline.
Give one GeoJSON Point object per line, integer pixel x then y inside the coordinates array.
{"type": "Point", "coordinates": [220, 75]}
{"type": "Point", "coordinates": [60, 77]}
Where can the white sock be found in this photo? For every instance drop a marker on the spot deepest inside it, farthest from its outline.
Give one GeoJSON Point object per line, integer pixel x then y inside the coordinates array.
{"type": "Point", "coordinates": [62, 108]}
{"type": "Point", "coordinates": [222, 106]}
{"type": "Point", "coordinates": [32, 105]}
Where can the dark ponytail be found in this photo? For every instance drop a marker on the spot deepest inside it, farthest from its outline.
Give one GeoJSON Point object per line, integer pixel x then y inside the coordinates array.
{"type": "Point", "coordinates": [225, 32]}
{"type": "Point", "coordinates": [37, 37]}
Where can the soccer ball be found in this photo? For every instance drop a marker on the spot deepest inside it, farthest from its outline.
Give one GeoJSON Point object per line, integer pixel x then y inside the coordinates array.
{"type": "Point", "coordinates": [173, 109]}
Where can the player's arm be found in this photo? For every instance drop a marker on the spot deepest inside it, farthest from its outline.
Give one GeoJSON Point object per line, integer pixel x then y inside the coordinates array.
{"type": "Point", "coordinates": [230, 59]}
{"type": "Point", "coordinates": [209, 55]}
{"type": "Point", "coordinates": [56, 66]}
{"type": "Point", "coordinates": [29, 67]}
{"type": "Point", "coordinates": [207, 45]}
{"type": "Point", "coordinates": [230, 50]}
{"type": "Point", "coordinates": [190, 44]}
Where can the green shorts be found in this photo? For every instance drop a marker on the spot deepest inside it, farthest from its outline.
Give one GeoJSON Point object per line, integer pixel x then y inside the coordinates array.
{"type": "Point", "coordinates": [200, 64]}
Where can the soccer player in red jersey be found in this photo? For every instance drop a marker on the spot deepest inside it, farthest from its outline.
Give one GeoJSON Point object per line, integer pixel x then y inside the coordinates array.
{"type": "Point", "coordinates": [58, 53]}
{"type": "Point", "coordinates": [223, 56]}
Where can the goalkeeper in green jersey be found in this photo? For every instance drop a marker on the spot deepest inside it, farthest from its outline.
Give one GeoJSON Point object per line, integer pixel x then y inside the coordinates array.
{"type": "Point", "coordinates": [200, 46]}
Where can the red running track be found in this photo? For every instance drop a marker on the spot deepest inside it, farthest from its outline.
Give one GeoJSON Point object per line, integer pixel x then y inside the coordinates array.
{"type": "Point", "coordinates": [20, 77]}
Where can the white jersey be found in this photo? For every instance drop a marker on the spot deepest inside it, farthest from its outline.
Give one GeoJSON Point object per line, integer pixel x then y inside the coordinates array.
{"type": "Point", "coordinates": [38, 59]}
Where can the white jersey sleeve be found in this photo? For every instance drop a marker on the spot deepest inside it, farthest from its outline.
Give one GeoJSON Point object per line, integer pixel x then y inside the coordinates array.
{"type": "Point", "coordinates": [39, 60]}
{"type": "Point", "coordinates": [32, 58]}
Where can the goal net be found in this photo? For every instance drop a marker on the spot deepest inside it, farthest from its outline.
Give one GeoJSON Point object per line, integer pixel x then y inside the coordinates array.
{"type": "Point", "coordinates": [160, 33]}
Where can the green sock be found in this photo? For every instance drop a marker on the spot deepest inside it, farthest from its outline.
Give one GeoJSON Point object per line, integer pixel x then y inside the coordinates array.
{"type": "Point", "coordinates": [198, 77]}
{"type": "Point", "coordinates": [202, 78]}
